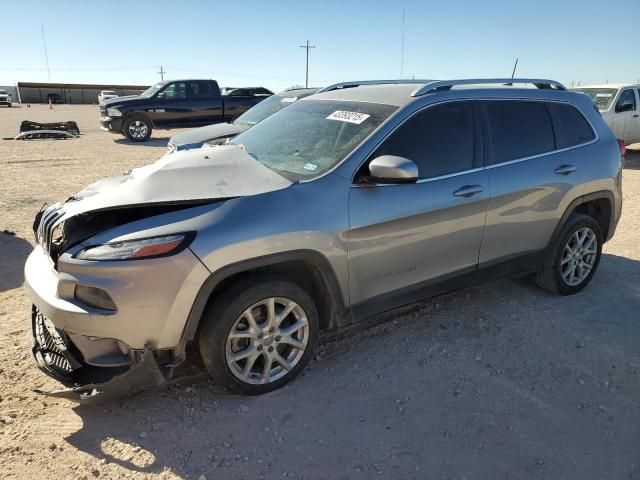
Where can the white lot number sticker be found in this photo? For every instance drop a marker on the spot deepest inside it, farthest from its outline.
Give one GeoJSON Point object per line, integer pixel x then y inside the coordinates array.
{"type": "Point", "coordinates": [349, 117]}
{"type": "Point", "coordinates": [288, 99]}
{"type": "Point", "coordinates": [603, 95]}
{"type": "Point", "coordinates": [310, 166]}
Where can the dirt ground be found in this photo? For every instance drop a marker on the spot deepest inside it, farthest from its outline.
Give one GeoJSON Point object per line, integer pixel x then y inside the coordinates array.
{"type": "Point", "coordinates": [500, 381]}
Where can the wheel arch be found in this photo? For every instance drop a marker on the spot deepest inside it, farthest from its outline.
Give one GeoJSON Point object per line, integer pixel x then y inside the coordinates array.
{"type": "Point", "coordinates": [137, 113]}
{"type": "Point", "coordinates": [307, 268]}
{"type": "Point", "coordinates": [599, 205]}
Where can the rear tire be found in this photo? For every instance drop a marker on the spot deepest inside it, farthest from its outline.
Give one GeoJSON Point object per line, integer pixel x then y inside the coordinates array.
{"type": "Point", "coordinates": [137, 128]}
{"type": "Point", "coordinates": [572, 260]}
{"type": "Point", "coordinates": [258, 335]}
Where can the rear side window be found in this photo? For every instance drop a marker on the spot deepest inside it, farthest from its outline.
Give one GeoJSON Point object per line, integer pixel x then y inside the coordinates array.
{"type": "Point", "coordinates": [575, 127]}
{"type": "Point", "coordinates": [439, 140]}
{"type": "Point", "coordinates": [518, 129]}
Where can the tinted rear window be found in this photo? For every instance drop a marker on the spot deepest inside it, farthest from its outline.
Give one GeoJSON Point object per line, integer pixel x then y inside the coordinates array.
{"type": "Point", "coordinates": [518, 129]}
{"type": "Point", "coordinates": [575, 127]}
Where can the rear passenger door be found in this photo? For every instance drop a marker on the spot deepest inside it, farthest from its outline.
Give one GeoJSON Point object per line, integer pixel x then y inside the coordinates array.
{"type": "Point", "coordinates": [535, 172]}
{"type": "Point", "coordinates": [412, 240]}
{"type": "Point", "coordinates": [205, 102]}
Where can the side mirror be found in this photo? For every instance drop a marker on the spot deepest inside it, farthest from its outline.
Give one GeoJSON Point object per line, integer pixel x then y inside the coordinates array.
{"type": "Point", "coordinates": [392, 169]}
{"type": "Point", "coordinates": [161, 96]}
{"type": "Point", "coordinates": [625, 107]}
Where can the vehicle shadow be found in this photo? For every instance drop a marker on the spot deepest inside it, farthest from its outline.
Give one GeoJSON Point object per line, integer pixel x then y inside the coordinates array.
{"type": "Point", "coordinates": [492, 365]}
{"type": "Point", "coordinates": [152, 142]}
{"type": "Point", "coordinates": [13, 254]}
{"type": "Point", "coordinates": [632, 159]}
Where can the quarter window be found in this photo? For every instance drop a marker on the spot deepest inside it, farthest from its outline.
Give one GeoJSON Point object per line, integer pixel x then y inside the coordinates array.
{"type": "Point", "coordinates": [575, 127]}
{"type": "Point", "coordinates": [518, 129]}
{"type": "Point", "coordinates": [440, 140]}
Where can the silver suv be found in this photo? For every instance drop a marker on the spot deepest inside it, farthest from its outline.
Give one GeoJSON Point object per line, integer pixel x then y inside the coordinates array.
{"type": "Point", "coordinates": [361, 198]}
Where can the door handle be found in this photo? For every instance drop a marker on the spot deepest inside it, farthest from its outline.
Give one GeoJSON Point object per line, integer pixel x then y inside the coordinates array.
{"type": "Point", "coordinates": [468, 191]}
{"type": "Point", "coordinates": [636, 116]}
{"type": "Point", "coordinates": [565, 169]}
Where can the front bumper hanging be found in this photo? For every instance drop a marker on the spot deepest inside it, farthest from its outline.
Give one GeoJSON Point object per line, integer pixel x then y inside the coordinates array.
{"type": "Point", "coordinates": [54, 355]}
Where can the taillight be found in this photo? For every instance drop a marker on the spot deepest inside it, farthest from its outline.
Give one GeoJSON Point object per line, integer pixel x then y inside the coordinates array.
{"type": "Point", "coordinates": [623, 147]}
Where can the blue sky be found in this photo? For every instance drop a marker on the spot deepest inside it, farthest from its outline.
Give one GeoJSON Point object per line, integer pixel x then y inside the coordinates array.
{"type": "Point", "coordinates": [256, 43]}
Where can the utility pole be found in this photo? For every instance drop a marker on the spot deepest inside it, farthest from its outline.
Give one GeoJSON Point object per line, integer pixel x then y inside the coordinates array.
{"type": "Point", "coordinates": [46, 57]}
{"type": "Point", "coordinates": [307, 47]}
{"type": "Point", "coordinates": [162, 72]}
{"type": "Point", "coordinates": [402, 47]}
{"type": "Point", "coordinates": [514, 68]}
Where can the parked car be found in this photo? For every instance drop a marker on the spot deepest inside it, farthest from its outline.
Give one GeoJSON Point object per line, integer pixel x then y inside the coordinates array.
{"type": "Point", "coordinates": [5, 98]}
{"type": "Point", "coordinates": [247, 91]}
{"type": "Point", "coordinates": [172, 104]}
{"type": "Point", "coordinates": [54, 98]}
{"type": "Point", "coordinates": [106, 95]}
{"type": "Point", "coordinates": [358, 199]}
{"type": "Point", "coordinates": [619, 105]}
{"type": "Point", "coordinates": [215, 133]}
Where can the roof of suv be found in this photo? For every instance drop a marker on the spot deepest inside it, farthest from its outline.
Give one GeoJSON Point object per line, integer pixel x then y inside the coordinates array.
{"type": "Point", "coordinates": [402, 92]}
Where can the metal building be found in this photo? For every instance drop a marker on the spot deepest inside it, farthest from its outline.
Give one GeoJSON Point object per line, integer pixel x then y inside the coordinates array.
{"type": "Point", "coordinates": [75, 93]}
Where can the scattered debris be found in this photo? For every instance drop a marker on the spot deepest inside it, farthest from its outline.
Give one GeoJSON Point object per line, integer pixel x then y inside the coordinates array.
{"type": "Point", "coordinates": [60, 130]}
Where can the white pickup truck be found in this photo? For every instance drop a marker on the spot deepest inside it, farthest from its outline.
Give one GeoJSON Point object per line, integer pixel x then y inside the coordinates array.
{"type": "Point", "coordinates": [5, 98]}
{"type": "Point", "coordinates": [619, 105]}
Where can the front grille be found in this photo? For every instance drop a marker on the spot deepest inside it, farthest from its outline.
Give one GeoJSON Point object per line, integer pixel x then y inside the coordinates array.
{"type": "Point", "coordinates": [47, 227]}
{"type": "Point", "coordinates": [50, 345]}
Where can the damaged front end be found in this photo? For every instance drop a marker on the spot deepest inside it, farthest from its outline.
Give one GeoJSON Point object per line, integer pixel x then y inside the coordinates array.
{"type": "Point", "coordinates": [56, 355]}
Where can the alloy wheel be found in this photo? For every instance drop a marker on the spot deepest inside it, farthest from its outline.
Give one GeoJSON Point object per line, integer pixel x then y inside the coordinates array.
{"type": "Point", "coordinates": [138, 129]}
{"type": "Point", "coordinates": [267, 340]}
{"type": "Point", "coordinates": [579, 256]}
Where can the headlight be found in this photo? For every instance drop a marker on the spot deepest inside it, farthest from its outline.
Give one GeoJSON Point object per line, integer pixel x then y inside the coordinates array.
{"type": "Point", "coordinates": [114, 112]}
{"type": "Point", "coordinates": [171, 147]}
{"type": "Point", "coordinates": [136, 249]}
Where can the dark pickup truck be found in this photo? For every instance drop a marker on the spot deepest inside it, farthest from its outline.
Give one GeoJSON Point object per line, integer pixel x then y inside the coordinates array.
{"type": "Point", "coordinates": [173, 104]}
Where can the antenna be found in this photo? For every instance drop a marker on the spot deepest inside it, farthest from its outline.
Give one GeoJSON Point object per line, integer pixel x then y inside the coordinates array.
{"type": "Point", "coordinates": [46, 56]}
{"type": "Point", "coordinates": [514, 68]}
{"type": "Point", "coordinates": [402, 47]}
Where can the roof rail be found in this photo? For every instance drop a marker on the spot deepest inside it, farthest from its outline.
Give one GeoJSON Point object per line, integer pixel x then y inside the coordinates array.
{"type": "Point", "coordinates": [338, 86]}
{"type": "Point", "coordinates": [443, 85]}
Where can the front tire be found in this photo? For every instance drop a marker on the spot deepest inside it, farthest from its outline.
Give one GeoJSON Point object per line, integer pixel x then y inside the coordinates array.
{"type": "Point", "coordinates": [137, 128]}
{"type": "Point", "coordinates": [259, 335]}
{"type": "Point", "coordinates": [574, 257]}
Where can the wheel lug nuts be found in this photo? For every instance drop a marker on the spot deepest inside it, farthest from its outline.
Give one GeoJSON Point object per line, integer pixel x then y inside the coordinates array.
{"type": "Point", "coordinates": [271, 330]}
{"type": "Point", "coordinates": [260, 335]}
{"type": "Point", "coordinates": [271, 349]}
{"type": "Point", "coordinates": [259, 348]}
{"type": "Point", "coordinates": [278, 338]}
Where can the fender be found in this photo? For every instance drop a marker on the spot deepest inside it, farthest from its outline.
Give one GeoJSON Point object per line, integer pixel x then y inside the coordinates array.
{"type": "Point", "coordinates": [583, 199]}
{"type": "Point", "coordinates": [138, 113]}
{"type": "Point", "coordinates": [337, 303]}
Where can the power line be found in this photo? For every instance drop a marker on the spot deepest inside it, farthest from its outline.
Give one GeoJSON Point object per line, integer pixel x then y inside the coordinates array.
{"type": "Point", "coordinates": [307, 47]}
{"type": "Point", "coordinates": [46, 56]}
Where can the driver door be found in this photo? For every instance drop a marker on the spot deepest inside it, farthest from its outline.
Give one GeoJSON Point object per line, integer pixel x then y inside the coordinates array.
{"type": "Point", "coordinates": [409, 241]}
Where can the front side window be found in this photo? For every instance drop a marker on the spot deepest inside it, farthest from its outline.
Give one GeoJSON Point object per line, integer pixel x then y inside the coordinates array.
{"type": "Point", "coordinates": [518, 129]}
{"type": "Point", "coordinates": [310, 137]}
{"type": "Point", "coordinates": [626, 102]}
{"type": "Point", "coordinates": [439, 139]}
{"type": "Point", "coordinates": [575, 127]}
{"type": "Point", "coordinates": [175, 91]}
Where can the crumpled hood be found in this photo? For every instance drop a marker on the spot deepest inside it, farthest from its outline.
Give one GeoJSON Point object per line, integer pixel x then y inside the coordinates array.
{"type": "Point", "coordinates": [204, 134]}
{"type": "Point", "coordinates": [192, 176]}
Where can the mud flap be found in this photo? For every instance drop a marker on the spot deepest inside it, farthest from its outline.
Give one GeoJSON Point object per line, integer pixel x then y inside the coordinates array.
{"type": "Point", "coordinates": [143, 375]}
